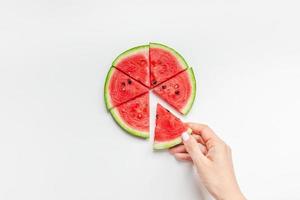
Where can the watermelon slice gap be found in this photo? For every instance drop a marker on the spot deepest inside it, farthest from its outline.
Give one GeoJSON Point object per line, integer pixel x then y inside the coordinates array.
{"type": "Point", "coordinates": [120, 88]}
{"type": "Point", "coordinates": [135, 63]}
{"type": "Point", "coordinates": [133, 116]}
{"type": "Point", "coordinates": [168, 129]}
{"type": "Point", "coordinates": [179, 91]}
{"type": "Point", "coordinates": [165, 62]}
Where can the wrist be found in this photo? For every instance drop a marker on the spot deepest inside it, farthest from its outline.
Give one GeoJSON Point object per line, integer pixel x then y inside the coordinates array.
{"type": "Point", "coordinates": [235, 195]}
{"type": "Point", "coordinates": [230, 194]}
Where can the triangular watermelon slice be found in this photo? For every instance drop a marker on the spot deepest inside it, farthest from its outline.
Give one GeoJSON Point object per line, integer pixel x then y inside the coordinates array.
{"type": "Point", "coordinates": [165, 63]}
{"type": "Point", "coordinates": [120, 88]}
{"type": "Point", "coordinates": [135, 63]}
{"type": "Point", "coordinates": [179, 91]}
{"type": "Point", "coordinates": [168, 129]}
{"type": "Point", "coordinates": [133, 116]}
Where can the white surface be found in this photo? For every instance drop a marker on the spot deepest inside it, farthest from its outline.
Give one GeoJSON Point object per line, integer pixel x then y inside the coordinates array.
{"type": "Point", "coordinates": [58, 142]}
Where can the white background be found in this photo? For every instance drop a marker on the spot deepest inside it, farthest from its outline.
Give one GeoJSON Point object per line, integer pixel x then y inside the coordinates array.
{"type": "Point", "coordinates": [58, 142]}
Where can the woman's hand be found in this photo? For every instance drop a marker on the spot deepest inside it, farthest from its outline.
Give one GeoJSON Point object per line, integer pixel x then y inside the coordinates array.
{"type": "Point", "coordinates": [212, 159]}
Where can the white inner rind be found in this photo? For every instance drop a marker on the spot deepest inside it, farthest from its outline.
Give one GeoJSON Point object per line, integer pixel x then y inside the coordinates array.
{"type": "Point", "coordinates": [191, 99]}
{"type": "Point", "coordinates": [139, 49]}
{"type": "Point", "coordinates": [171, 143]}
{"type": "Point", "coordinates": [143, 134]}
{"type": "Point", "coordinates": [179, 58]}
{"type": "Point", "coordinates": [106, 89]}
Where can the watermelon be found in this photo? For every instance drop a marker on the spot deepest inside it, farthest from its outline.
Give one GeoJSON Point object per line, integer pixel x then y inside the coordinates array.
{"type": "Point", "coordinates": [120, 88]}
{"type": "Point", "coordinates": [137, 71]}
{"type": "Point", "coordinates": [135, 63]}
{"type": "Point", "coordinates": [179, 91]}
{"type": "Point", "coordinates": [133, 116]}
{"type": "Point", "coordinates": [168, 129]}
{"type": "Point", "coordinates": [165, 63]}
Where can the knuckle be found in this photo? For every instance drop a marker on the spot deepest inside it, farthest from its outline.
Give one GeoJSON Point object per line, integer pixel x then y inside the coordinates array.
{"type": "Point", "coordinates": [210, 144]}
{"type": "Point", "coordinates": [223, 145]}
{"type": "Point", "coordinates": [229, 148]}
{"type": "Point", "coordinates": [205, 127]}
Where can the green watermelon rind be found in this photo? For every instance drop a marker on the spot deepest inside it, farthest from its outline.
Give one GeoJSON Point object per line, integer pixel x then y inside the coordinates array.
{"type": "Point", "coordinates": [129, 52]}
{"type": "Point", "coordinates": [172, 51]}
{"type": "Point", "coordinates": [186, 109]}
{"type": "Point", "coordinates": [107, 99]}
{"type": "Point", "coordinates": [168, 144]}
{"type": "Point", "coordinates": [126, 127]}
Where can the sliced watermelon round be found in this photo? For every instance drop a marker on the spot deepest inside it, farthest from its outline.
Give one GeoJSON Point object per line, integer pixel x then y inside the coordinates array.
{"type": "Point", "coordinates": [168, 129]}
{"type": "Point", "coordinates": [165, 63]}
{"type": "Point", "coordinates": [133, 116]}
{"type": "Point", "coordinates": [135, 63]}
{"type": "Point", "coordinates": [120, 88]}
{"type": "Point", "coordinates": [179, 91]}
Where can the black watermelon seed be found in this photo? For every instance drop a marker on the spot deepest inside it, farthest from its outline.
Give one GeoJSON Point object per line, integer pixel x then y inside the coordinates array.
{"type": "Point", "coordinates": [163, 87]}
{"type": "Point", "coordinates": [168, 110]}
{"type": "Point", "coordinates": [123, 83]}
{"type": "Point", "coordinates": [129, 81]}
{"type": "Point", "coordinates": [177, 92]}
{"type": "Point", "coordinates": [154, 82]}
{"type": "Point", "coordinates": [156, 116]}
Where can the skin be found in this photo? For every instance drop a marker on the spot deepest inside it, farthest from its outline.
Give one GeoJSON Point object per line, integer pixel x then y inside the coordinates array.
{"type": "Point", "coordinates": [212, 159]}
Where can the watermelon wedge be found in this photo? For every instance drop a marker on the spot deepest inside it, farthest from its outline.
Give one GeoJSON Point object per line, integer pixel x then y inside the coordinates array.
{"type": "Point", "coordinates": [135, 63]}
{"type": "Point", "coordinates": [179, 91]}
{"type": "Point", "coordinates": [133, 116]}
{"type": "Point", "coordinates": [168, 129]}
{"type": "Point", "coordinates": [165, 63]}
{"type": "Point", "coordinates": [120, 88]}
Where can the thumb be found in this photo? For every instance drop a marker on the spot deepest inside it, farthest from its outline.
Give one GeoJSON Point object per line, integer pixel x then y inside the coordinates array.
{"type": "Point", "coordinates": [192, 147]}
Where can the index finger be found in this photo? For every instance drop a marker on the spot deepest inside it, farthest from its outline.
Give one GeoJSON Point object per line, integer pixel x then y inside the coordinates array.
{"type": "Point", "coordinates": [204, 131]}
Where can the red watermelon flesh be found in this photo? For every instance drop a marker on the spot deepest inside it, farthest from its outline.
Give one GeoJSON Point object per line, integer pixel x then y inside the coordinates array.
{"type": "Point", "coordinates": [168, 129]}
{"type": "Point", "coordinates": [120, 88]}
{"type": "Point", "coordinates": [179, 91]}
{"type": "Point", "coordinates": [135, 63]}
{"type": "Point", "coordinates": [164, 63]}
{"type": "Point", "coordinates": [133, 116]}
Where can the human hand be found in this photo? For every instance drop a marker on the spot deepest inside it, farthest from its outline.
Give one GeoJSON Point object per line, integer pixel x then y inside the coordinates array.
{"type": "Point", "coordinates": [212, 159]}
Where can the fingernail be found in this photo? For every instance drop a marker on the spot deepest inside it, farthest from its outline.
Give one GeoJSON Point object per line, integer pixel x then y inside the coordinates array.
{"type": "Point", "coordinates": [185, 136]}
